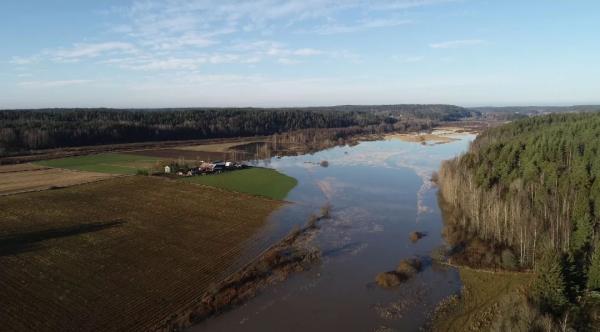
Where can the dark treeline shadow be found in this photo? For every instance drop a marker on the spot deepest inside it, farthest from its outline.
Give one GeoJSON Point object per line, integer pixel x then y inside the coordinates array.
{"type": "Point", "coordinates": [13, 244]}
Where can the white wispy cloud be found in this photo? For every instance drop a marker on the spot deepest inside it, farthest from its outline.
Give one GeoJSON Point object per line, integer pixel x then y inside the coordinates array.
{"type": "Point", "coordinates": [407, 4]}
{"type": "Point", "coordinates": [91, 50]}
{"type": "Point", "coordinates": [20, 60]}
{"type": "Point", "coordinates": [362, 25]}
{"type": "Point", "coordinates": [407, 59]}
{"type": "Point", "coordinates": [457, 43]}
{"type": "Point", "coordinates": [162, 35]}
{"type": "Point", "coordinates": [287, 61]}
{"type": "Point", "coordinates": [152, 62]}
{"type": "Point", "coordinates": [51, 84]}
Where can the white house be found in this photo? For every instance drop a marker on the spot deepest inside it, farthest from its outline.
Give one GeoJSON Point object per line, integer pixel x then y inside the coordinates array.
{"type": "Point", "coordinates": [167, 169]}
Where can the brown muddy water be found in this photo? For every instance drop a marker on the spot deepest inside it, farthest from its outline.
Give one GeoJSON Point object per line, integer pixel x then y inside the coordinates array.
{"type": "Point", "coordinates": [379, 193]}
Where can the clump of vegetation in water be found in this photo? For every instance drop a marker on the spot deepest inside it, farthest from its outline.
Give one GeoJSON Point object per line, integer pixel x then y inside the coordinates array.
{"type": "Point", "coordinates": [326, 211]}
{"type": "Point", "coordinates": [416, 236]}
{"type": "Point", "coordinates": [388, 279]}
{"type": "Point", "coordinates": [407, 268]}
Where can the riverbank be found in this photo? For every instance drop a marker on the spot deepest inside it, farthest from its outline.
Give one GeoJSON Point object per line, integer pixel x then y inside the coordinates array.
{"type": "Point", "coordinates": [293, 253]}
{"type": "Point", "coordinates": [484, 295]}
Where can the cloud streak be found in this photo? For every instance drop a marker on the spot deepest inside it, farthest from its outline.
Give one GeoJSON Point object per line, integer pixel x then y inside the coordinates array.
{"type": "Point", "coordinates": [52, 84]}
{"type": "Point", "coordinates": [457, 43]}
{"type": "Point", "coordinates": [363, 25]}
{"type": "Point", "coordinates": [91, 50]}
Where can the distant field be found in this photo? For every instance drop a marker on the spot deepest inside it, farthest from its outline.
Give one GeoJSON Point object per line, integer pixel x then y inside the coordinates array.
{"type": "Point", "coordinates": [25, 167]}
{"type": "Point", "coordinates": [113, 163]}
{"type": "Point", "coordinates": [175, 153]}
{"type": "Point", "coordinates": [32, 179]}
{"type": "Point", "coordinates": [256, 181]}
{"type": "Point", "coordinates": [219, 147]}
{"type": "Point", "coordinates": [120, 254]}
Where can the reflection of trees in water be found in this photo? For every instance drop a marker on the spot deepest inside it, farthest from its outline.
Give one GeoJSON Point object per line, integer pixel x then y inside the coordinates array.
{"type": "Point", "coordinates": [466, 246]}
{"type": "Point", "coordinates": [298, 142]}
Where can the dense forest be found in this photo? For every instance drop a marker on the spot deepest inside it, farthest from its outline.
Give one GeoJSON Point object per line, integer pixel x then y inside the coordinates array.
{"type": "Point", "coordinates": [537, 110]}
{"type": "Point", "coordinates": [25, 130]}
{"type": "Point", "coordinates": [527, 195]}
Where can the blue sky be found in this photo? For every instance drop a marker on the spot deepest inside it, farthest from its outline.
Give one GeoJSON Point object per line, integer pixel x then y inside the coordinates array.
{"type": "Point", "coordinates": [176, 53]}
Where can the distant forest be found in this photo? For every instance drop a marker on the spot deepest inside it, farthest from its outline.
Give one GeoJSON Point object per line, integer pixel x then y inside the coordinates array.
{"type": "Point", "coordinates": [23, 131]}
{"type": "Point", "coordinates": [536, 110]}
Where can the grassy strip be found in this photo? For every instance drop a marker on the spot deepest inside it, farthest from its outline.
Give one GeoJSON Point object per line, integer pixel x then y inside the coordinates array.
{"type": "Point", "coordinates": [113, 163]}
{"type": "Point", "coordinates": [255, 181]}
{"type": "Point", "coordinates": [482, 293]}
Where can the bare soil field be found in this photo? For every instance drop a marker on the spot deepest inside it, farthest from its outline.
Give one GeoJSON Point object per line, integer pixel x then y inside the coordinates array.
{"type": "Point", "coordinates": [22, 178]}
{"type": "Point", "coordinates": [123, 254]}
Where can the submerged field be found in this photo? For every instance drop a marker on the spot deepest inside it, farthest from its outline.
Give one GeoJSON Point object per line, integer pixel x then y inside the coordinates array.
{"type": "Point", "coordinates": [113, 163]}
{"type": "Point", "coordinates": [118, 255]}
{"type": "Point", "coordinates": [255, 181]}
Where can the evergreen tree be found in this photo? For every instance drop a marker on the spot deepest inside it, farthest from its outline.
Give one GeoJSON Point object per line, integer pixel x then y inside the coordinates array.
{"type": "Point", "coordinates": [582, 234]}
{"type": "Point", "coordinates": [548, 290]}
{"type": "Point", "coordinates": [593, 282]}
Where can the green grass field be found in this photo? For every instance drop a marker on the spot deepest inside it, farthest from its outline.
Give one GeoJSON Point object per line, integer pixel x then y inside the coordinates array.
{"type": "Point", "coordinates": [256, 181]}
{"type": "Point", "coordinates": [113, 163]}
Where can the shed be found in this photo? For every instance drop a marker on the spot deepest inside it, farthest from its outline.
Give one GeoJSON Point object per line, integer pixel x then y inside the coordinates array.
{"type": "Point", "coordinates": [167, 169]}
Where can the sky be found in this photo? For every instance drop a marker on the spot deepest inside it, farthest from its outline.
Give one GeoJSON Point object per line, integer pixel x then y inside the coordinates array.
{"type": "Point", "coordinates": [270, 53]}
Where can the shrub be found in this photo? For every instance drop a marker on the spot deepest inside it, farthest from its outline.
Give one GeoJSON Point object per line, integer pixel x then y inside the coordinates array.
{"type": "Point", "coordinates": [325, 211]}
{"type": "Point", "coordinates": [142, 172]}
{"type": "Point", "coordinates": [440, 253]}
{"type": "Point", "coordinates": [312, 221]}
{"type": "Point", "coordinates": [409, 267]}
{"type": "Point", "coordinates": [509, 261]}
{"type": "Point", "coordinates": [388, 279]}
{"type": "Point", "coordinates": [416, 236]}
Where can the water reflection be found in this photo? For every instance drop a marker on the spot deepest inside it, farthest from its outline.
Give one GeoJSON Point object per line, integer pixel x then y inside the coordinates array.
{"type": "Point", "coordinates": [380, 192]}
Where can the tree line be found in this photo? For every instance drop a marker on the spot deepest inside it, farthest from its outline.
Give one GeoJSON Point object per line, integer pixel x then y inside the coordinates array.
{"type": "Point", "coordinates": [25, 130]}
{"type": "Point", "coordinates": [531, 191]}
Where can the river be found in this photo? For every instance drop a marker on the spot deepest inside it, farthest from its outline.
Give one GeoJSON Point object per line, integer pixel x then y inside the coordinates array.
{"type": "Point", "coordinates": [379, 191]}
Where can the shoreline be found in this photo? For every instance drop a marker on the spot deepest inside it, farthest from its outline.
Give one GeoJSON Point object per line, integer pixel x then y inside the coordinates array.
{"type": "Point", "coordinates": [275, 264]}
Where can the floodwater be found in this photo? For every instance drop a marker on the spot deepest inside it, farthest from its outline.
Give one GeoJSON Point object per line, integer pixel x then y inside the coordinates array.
{"type": "Point", "coordinates": [379, 192]}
